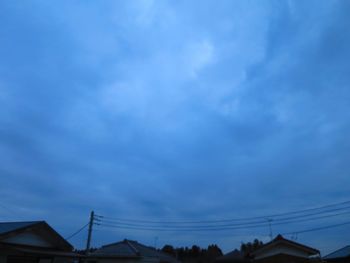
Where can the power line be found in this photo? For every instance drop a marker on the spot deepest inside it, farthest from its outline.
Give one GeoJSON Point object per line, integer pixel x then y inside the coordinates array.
{"type": "Point", "coordinates": [10, 210]}
{"type": "Point", "coordinates": [304, 215]}
{"type": "Point", "coordinates": [227, 227]}
{"type": "Point", "coordinates": [212, 228]}
{"type": "Point", "coordinates": [229, 220]}
{"type": "Point", "coordinates": [286, 220]}
{"type": "Point", "coordinates": [317, 228]}
{"type": "Point", "coordinates": [77, 232]}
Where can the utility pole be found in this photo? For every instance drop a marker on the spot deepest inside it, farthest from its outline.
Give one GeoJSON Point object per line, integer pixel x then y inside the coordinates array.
{"type": "Point", "coordinates": [91, 223]}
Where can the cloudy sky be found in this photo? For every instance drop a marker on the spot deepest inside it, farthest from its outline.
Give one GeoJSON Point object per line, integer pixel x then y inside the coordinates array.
{"type": "Point", "coordinates": [175, 110]}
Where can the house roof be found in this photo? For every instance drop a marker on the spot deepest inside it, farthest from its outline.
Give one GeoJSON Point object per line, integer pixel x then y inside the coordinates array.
{"type": "Point", "coordinates": [41, 228]}
{"type": "Point", "coordinates": [29, 250]}
{"type": "Point", "coordinates": [131, 249]}
{"type": "Point", "coordinates": [233, 256]}
{"type": "Point", "coordinates": [340, 253]}
{"type": "Point", "coordinates": [281, 240]}
{"type": "Point", "coordinates": [6, 227]}
{"type": "Point", "coordinates": [118, 249]}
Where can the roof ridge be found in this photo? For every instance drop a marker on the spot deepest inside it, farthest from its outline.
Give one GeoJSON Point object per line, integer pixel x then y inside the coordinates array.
{"type": "Point", "coordinates": [141, 245]}
{"type": "Point", "coordinates": [132, 246]}
{"type": "Point", "coordinates": [280, 238]}
{"type": "Point", "coordinates": [20, 225]}
{"type": "Point", "coordinates": [112, 244]}
{"type": "Point", "coordinates": [15, 222]}
{"type": "Point", "coordinates": [7, 228]}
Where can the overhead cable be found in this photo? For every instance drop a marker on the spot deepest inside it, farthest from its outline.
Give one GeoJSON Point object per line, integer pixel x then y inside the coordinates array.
{"type": "Point", "coordinates": [77, 232]}
{"type": "Point", "coordinates": [317, 228]}
{"type": "Point", "coordinates": [306, 217]}
{"type": "Point", "coordinates": [235, 219]}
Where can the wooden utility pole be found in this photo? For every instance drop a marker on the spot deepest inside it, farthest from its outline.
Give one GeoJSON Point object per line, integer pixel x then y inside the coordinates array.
{"type": "Point", "coordinates": [91, 223]}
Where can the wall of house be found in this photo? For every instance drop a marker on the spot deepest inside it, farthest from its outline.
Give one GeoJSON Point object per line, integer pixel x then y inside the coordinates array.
{"type": "Point", "coordinates": [283, 258]}
{"type": "Point", "coordinates": [150, 260]}
{"type": "Point", "coordinates": [112, 260]}
{"type": "Point", "coordinates": [282, 250]}
{"type": "Point", "coordinates": [27, 238]}
{"type": "Point", "coordinates": [5, 259]}
{"type": "Point", "coordinates": [118, 260]}
{"type": "Point", "coordinates": [65, 260]}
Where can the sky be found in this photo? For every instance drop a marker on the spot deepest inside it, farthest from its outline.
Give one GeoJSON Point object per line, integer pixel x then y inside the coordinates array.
{"type": "Point", "coordinates": [175, 110]}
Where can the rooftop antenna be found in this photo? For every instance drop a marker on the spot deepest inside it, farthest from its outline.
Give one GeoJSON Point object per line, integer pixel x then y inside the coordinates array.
{"type": "Point", "coordinates": [294, 236]}
{"type": "Point", "coordinates": [269, 220]}
{"type": "Point", "coordinates": [155, 242]}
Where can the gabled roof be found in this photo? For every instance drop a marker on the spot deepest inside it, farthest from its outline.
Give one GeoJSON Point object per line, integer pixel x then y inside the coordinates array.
{"type": "Point", "coordinates": [340, 253]}
{"type": "Point", "coordinates": [131, 249]}
{"type": "Point", "coordinates": [123, 249]}
{"type": "Point", "coordinates": [6, 227]}
{"type": "Point", "coordinates": [41, 228]}
{"type": "Point", "coordinates": [233, 256]}
{"type": "Point", "coordinates": [37, 251]}
{"type": "Point", "coordinates": [280, 240]}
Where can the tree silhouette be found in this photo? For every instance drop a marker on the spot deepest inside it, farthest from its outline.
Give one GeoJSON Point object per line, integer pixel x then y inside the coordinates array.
{"type": "Point", "coordinates": [248, 248]}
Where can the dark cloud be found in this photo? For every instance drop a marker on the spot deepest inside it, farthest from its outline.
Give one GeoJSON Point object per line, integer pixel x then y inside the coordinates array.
{"type": "Point", "coordinates": [155, 111]}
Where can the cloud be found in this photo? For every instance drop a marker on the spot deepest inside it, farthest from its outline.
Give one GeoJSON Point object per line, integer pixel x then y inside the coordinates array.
{"type": "Point", "coordinates": [173, 110]}
{"type": "Point", "coordinates": [198, 56]}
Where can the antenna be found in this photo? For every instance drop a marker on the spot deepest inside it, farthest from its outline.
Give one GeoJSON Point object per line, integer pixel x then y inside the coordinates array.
{"type": "Point", "coordinates": [269, 220]}
{"type": "Point", "coordinates": [155, 242]}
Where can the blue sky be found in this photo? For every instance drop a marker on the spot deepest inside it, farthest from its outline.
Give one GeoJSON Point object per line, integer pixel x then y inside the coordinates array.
{"type": "Point", "coordinates": [180, 110]}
